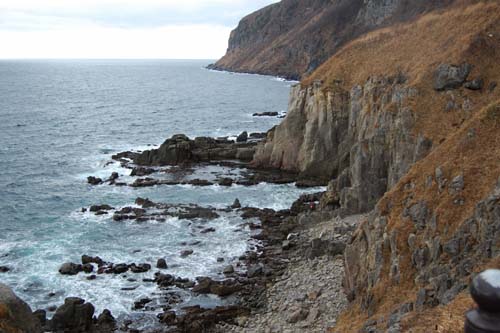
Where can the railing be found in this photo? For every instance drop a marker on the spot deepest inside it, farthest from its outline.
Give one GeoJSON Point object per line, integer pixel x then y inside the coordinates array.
{"type": "Point", "coordinates": [485, 290]}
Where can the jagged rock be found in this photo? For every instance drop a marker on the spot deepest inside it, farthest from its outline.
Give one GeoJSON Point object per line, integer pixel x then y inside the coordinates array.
{"type": "Point", "coordinates": [141, 171]}
{"type": "Point", "coordinates": [243, 137]}
{"type": "Point", "coordinates": [15, 314]}
{"type": "Point", "coordinates": [161, 263]}
{"type": "Point", "coordinates": [87, 268]}
{"type": "Point", "coordinates": [70, 268]}
{"type": "Point", "coordinates": [180, 150]}
{"type": "Point", "coordinates": [94, 180]}
{"type": "Point", "coordinates": [450, 76]}
{"type": "Point", "coordinates": [89, 260]}
{"type": "Point", "coordinates": [140, 268]}
{"type": "Point", "coordinates": [228, 269]}
{"type": "Point", "coordinates": [236, 204]}
{"type": "Point", "coordinates": [97, 208]}
{"type": "Point", "coordinates": [120, 268]}
{"type": "Point", "coordinates": [4, 269]}
{"type": "Point", "coordinates": [41, 315]}
{"type": "Point", "coordinates": [106, 322]}
{"type": "Point", "coordinates": [74, 315]}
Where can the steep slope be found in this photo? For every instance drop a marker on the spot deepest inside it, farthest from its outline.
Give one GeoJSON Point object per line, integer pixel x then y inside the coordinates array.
{"type": "Point", "coordinates": [441, 223]}
{"type": "Point", "coordinates": [371, 111]}
{"type": "Point", "coordinates": [294, 37]}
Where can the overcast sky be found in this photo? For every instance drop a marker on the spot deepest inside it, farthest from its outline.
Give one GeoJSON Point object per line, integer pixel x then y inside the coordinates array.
{"type": "Point", "coordinates": [174, 29]}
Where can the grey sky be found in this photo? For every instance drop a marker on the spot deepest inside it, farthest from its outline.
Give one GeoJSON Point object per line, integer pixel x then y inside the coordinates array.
{"type": "Point", "coordinates": [50, 23]}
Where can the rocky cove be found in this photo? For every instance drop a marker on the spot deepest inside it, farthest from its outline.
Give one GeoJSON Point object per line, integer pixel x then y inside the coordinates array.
{"type": "Point", "coordinates": [404, 137]}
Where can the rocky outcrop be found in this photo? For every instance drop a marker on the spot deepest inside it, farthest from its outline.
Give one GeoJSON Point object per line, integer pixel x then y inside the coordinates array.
{"type": "Point", "coordinates": [15, 314]}
{"type": "Point", "coordinates": [363, 138]}
{"type": "Point", "coordinates": [179, 149]}
{"type": "Point", "coordinates": [292, 38]}
{"type": "Point", "coordinates": [427, 237]}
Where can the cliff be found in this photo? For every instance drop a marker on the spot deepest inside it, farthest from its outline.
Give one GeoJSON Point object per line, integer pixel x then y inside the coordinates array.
{"type": "Point", "coordinates": [293, 37]}
{"type": "Point", "coordinates": [406, 120]}
{"type": "Point", "coordinates": [371, 111]}
{"type": "Point", "coordinates": [410, 263]}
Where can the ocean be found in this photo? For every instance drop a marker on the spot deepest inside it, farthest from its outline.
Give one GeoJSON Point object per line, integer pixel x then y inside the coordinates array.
{"type": "Point", "coordinates": [62, 120]}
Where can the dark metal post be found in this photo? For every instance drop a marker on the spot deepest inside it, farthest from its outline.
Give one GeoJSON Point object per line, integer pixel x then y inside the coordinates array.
{"type": "Point", "coordinates": [485, 290]}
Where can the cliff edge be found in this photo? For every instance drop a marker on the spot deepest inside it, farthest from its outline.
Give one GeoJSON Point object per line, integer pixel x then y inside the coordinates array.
{"type": "Point", "coordinates": [293, 37]}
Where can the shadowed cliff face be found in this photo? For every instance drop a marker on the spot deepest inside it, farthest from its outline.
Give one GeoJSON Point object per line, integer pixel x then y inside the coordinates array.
{"type": "Point", "coordinates": [294, 37]}
{"type": "Point", "coordinates": [362, 138]}
{"type": "Point", "coordinates": [384, 102]}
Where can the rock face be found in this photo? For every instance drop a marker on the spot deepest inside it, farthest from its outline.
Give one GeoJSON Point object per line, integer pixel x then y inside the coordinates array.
{"type": "Point", "coordinates": [179, 149]}
{"type": "Point", "coordinates": [291, 38]}
{"type": "Point", "coordinates": [15, 314]}
{"type": "Point", "coordinates": [363, 138]}
{"type": "Point", "coordinates": [428, 235]}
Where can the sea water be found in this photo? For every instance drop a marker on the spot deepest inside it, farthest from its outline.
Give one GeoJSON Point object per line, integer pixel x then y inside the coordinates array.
{"type": "Point", "coordinates": [62, 120]}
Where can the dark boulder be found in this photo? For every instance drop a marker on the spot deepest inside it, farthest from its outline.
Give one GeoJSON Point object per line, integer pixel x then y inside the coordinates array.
{"type": "Point", "coordinates": [94, 180]}
{"type": "Point", "coordinates": [105, 322]}
{"type": "Point", "coordinates": [140, 268]}
{"type": "Point", "coordinates": [88, 268]}
{"type": "Point", "coordinates": [243, 137]}
{"type": "Point", "coordinates": [236, 204]}
{"type": "Point", "coordinates": [4, 269]}
{"type": "Point", "coordinates": [70, 268]}
{"type": "Point", "coordinates": [120, 268]}
{"type": "Point", "coordinates": [161, 264]}
{"type": "Point", "coordinates": [73, 316]}
{"type": "Point", "coordinates": [91, 260]}
{"type": "Point", "coordinates": [97, 208]}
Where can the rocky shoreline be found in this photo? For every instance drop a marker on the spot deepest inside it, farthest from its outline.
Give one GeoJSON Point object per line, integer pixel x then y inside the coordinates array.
{"type": "Point", "coordinates": [243, 288]}
{"type": "Point", "coordinates": [271, 293]}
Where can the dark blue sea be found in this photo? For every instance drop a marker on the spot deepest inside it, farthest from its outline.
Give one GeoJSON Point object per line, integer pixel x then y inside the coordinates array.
{"type": "Point", "coordinates": [62, 120]}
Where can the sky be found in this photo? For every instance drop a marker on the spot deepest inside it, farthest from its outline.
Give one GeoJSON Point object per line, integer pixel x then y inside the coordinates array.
{"type": "Point", "coordinates": [119, 29]}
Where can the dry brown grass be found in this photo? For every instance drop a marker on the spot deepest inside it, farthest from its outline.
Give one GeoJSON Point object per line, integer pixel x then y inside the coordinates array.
{"type": "Point", "coordinates": [478, 158]}
{"type": "Point", "coordinates": [460, 34]}
{"type": "Point", "coordinates": [466, 140]}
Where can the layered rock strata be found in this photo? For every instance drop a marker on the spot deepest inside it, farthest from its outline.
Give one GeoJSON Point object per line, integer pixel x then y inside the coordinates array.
{"type": "Point", "coordinates": [363, 138]}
